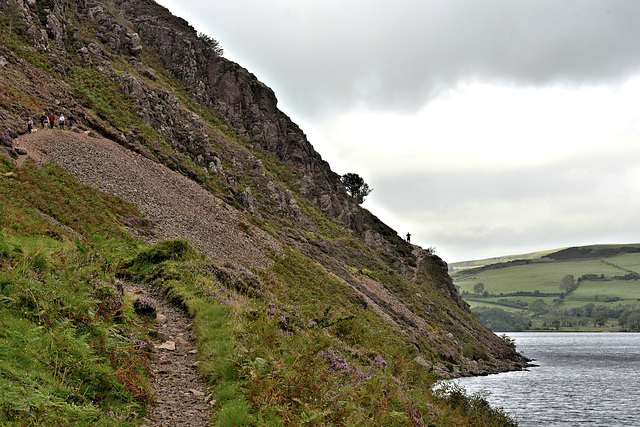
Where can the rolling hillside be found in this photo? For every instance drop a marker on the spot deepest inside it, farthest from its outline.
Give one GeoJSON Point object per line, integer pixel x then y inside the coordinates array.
{"type": "Point", "coordinates": [581, 288]}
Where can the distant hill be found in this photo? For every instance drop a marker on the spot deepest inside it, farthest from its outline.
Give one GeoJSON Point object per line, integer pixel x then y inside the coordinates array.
{"type": "Point", "coordinates": [594, 287]}
{"type": "Point", "coordinates": [456, 267]}
{"type": "Point", "coordinates": [592, 252]}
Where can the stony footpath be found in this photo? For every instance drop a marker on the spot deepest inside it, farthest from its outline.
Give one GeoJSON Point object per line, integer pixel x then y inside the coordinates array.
{"type": "Point", "coordinates": [178, 207]}
{"type": "Point", "coordinates": [181, 396]}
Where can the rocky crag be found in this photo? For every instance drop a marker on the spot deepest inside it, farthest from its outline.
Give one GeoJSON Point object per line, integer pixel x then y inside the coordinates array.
{"type": "Point", "coordinates": [132, 73]}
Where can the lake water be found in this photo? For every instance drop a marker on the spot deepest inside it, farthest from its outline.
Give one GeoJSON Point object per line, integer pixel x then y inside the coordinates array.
{"type": "Point", "coordinates": [584, 379]}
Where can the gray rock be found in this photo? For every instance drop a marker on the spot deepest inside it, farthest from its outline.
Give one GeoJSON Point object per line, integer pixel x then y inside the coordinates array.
{"type": "Point", "coordinates": [167, 345]}
{"type": "Point", "coordinates": [84, 53]}
{"type": "Point", "coordinates": [55, 28]}
{"type": "Point", "coordinates": [135, 44]}
{"type": "Point", "coordinates": [181, 341]}
{"type": "Point", "coordinates": [249, 203]}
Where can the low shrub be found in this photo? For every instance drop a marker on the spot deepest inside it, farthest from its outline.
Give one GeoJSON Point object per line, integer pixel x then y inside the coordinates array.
{"type": "Point", "coordinates": [176, 250]}
{"type": "Point", "coordinates": [145, 306]}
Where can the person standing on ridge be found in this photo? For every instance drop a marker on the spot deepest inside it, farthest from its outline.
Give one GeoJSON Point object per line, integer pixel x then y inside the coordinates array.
{"type": "Point", "coordinates": [408, 237]}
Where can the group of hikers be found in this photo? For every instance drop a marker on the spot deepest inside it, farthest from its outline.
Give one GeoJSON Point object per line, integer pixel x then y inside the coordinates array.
{"type": "Point", "coordinates": [47, 122]}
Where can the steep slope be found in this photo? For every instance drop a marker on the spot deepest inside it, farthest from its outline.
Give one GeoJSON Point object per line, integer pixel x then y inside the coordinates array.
{"type": "Point", "coordinates": [176, 207]}
{"type": "Point", "coordinates": [114, 87]}
{"type": "Point", "coordinates": [197, 142]}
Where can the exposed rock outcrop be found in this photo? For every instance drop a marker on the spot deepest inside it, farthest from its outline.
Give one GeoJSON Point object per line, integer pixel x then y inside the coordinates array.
{"type": "Point", "coordinates": [251, 108]}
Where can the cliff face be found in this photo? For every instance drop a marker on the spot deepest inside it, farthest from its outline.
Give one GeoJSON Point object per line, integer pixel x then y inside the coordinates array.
{"type": "Point", "coordinates": [251, 108]}
{"type": "Point", "coordinates": [139, 76]}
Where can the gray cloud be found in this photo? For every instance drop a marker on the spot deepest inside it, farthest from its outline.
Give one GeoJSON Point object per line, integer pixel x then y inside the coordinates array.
{"type": "Point", "coordinates": [468, 214]}
{"type": "Point", "coordinates": [323, 56]}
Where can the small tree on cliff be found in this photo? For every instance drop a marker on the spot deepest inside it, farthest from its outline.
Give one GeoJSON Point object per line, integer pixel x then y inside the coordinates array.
{"type": "Point", "coordinates": [212, 43]}
{"type": "Point", "coordinates": [356, 187]}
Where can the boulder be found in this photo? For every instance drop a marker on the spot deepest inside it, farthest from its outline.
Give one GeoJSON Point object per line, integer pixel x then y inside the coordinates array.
{"type": "Point", "coordinates": [55, 28]}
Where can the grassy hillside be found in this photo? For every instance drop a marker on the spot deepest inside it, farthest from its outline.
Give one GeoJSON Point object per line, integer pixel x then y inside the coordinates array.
{"type": "Point", "coordinates": [275, 346]}
{"type": "Point", "coordinates": [330, 332]}
{"type": "Point", "coordinates": [588, 288]}
{"type": "Point", "coordinates": [73, 350]}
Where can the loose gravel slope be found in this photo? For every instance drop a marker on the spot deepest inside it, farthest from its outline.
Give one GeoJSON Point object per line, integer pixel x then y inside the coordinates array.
{"type": "Point", "coordinates": [180, 207]}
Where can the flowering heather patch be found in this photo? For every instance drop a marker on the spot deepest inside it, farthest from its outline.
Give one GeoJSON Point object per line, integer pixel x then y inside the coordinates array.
{"type": "Point", "coordinates": [219, 293]}
{"type": "Point", "coordinates": [272, 311]}
{"type": "Point", "coordinates": [239, 278]}
{"type": "Point", "coordinates": [449, 354]}
{"type": "Point", "coordinates": [138, 343]}
{"type": "Point", "coordinates": [6, 138]}
{"type": "Point", "coordinates": [337, 363]}
{"type": "Point", "coordinates": [335, 360]}
{"type": "Point", "coordinates": [290, 318]}
{"type": "Point", "coordinates": [379, 362]}
{"type": "Point", "coordinates": [121, 415]}
{"type": "Point", "coordinates": [145, 306]}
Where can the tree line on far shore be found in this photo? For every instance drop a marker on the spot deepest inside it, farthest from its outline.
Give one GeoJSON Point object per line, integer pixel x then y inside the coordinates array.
{"type": "Point", "coordinates": [553, 315]}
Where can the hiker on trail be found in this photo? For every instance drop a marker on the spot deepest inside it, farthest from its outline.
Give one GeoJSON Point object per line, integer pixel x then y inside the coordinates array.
{"type": "Point", "coordinates": [43, 117]}
{"type": "Point", "coordinates": [408, 237]}
{"type": "Point", "coordinates": [52, 120]}
{"type": "Point", "coordinates": [61, 121]}
{"type": "Point", "coordinates": [45, 122]}
{"type": "Point", "coordinates": [30, 125]}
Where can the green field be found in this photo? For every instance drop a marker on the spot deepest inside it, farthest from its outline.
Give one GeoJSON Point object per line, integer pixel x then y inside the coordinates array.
{"type": "Point", "coordinates": [544, 276]}
{"type": "Point", "coordinates": [527, 295]}
{"type": "Point", "coordinates": [626, 290]}
{"type": "Point", "coordinates": [629, 261]}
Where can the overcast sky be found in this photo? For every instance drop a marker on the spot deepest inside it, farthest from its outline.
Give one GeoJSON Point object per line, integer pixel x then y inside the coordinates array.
{"type": "Point", "coordinates": [485, 128]}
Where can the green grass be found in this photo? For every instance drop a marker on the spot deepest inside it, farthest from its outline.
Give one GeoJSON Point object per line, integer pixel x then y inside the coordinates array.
{"type": "Point", "coordinates": [629, 261]}
{"type": "Point", "coordinates": [626, 290]}
{"type": "Point", "coordinates": [461, 266]}
{"type": "Point", "coordinates": [610, 296]}
{"type": "Point", "coordinates": [545, 276]}
{"type": "Point", "coordinates": [66, 356]}
{"type": "Point", "coordinates": [295, 352]}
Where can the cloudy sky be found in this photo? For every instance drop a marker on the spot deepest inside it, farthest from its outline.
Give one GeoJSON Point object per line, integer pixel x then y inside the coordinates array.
{"type": "Point", "coordinates": [486, 128]}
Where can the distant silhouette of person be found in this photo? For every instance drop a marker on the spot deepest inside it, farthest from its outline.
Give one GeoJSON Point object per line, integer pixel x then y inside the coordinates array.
{"type": "Point", "coordinates": [43, 118]}
{"type": "Point", "coordinates": [61, 121]}
{"type": "Point", "coordinates": [30, 125]}
{"type": "Point", "coordinates": [52, 120]}
{"type": "Point", "coordinates": [409, 237]}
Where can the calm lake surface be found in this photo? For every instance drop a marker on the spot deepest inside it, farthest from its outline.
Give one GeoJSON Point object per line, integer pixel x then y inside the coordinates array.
{"type": "Point", "coordinates": [584, 379]}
